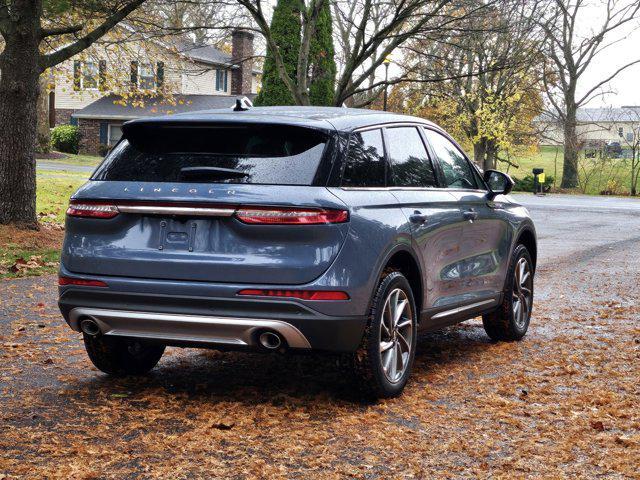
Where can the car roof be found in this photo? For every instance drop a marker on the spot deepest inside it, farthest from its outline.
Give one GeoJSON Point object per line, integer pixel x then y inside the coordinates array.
{"type": "Point", "coordinates": [342, 119]}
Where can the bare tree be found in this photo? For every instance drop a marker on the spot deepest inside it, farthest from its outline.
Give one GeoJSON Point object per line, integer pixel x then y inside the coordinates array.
{"type": "Point", "coordinates": [26, 34]}
{"type": "Point", "coordinates": [571, 54]}
{"type": "Point", "coordinates": [202, 21]}
{"type": "Point", "coordinates": [488, 70]}
{"type": "Point", "coordinates": [367, 31]}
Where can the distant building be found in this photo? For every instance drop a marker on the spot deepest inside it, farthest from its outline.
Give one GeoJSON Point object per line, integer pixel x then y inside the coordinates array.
{"type": "Point", "coordinates": [109, 84]}
{"type": "Point", "coordinates": [595, 126]}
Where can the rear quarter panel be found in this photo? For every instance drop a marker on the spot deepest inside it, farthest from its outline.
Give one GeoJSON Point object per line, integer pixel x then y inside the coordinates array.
{"type": "Point", "coordinates": [377, 228]}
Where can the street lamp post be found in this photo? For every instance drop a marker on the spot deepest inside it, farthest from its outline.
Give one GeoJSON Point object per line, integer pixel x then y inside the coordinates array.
{"type": "Point", "coordinates": [386, 62]}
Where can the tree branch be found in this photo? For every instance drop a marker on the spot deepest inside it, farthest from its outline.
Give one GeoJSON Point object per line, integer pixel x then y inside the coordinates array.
{"type": "Point", "coordinates": [606, 80]}
{"type": "Point", "coordinates": [52, 59]}
{"type": "Point", "coordinates": [48, 32]}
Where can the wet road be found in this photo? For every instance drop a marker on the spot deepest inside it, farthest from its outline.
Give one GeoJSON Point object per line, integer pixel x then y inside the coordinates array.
{"type": "Point", "coordinates": [577, 224]}
{"type": "Point", "coordinates": [562, 403]}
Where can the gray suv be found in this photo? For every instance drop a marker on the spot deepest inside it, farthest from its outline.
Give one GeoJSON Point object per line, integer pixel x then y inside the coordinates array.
{"type": "Point", "coordinates": [291, 228]}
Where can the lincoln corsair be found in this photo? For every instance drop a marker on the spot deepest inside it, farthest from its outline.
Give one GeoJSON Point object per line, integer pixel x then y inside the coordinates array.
{"type": "Point", "coordinates": [292, 228]}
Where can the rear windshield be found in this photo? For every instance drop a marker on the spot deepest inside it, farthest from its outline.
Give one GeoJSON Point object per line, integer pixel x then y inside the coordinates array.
{"type": "Point", "coordinates": [272, 155]}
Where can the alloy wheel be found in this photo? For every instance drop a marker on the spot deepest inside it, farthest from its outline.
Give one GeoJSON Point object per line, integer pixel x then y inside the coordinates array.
{"type": "Point", "coordinates": [522, 293]}
{"type": "Point", "coordinates": [396, 335]}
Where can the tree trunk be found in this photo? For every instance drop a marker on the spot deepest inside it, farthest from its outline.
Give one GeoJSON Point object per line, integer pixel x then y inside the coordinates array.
{"type": "Point", "coordinates": [634, 172]}
{"type": "Point", "coordinates": [480, 153]}
{"type": "Point", "coordinates": [44, 132]}
{"type": "Point", "coordinates": [19, 85]}
{"type": "Point", "coordinates": [490, 157]}
{"type": "Point", "coordinates": [570, 164]}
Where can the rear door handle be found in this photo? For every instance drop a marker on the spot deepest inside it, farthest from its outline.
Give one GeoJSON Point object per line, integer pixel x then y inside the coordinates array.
{"type": "Point", "coordinates": [470, 215]}
{"type": "Point", "coordinates": [417, 217]}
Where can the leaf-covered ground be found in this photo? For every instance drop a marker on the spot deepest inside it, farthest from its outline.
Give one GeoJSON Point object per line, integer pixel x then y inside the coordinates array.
{"type": "Point", "coordinates": [563, 403]}
{"type": "Point", "coordinates": [28, 252]}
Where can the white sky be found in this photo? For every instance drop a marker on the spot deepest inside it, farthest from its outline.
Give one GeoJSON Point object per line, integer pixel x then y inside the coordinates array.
{"type": "Point", "coordinates": [626, 86]}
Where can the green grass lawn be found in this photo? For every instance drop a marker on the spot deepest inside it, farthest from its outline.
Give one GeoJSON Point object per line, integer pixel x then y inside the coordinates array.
{"type": "Point", "coordinates": [54, 187]}
{"type": "Point", "coordinates": [594, 177]}
{"type": "Point", "coordinates": [83, 160]}
{"type": "Point", "coordinates": [36, 253]}
{"type": "Point", "coordinates": [53, 194]}
{"type": "Point", "coordinates": [18, 260]}
{"type": "Point", "coordinates": [549, 158]}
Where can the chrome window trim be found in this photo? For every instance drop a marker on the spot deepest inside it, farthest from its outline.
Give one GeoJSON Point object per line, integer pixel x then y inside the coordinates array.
{"type": "Point", "coordinates": [391, 125]}
{"type": "Point", "coordinates": [395, 188]}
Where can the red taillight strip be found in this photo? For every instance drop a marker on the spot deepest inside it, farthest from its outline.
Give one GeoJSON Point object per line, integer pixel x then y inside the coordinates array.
{"type": "Point", "coordinates": [62, 281]}
{"type": "Point", "coordinates": [301, 294]}
{"type": "Point", "coordinates": [260, 215]}
{"type": "Point", "coordinates": [290, 216]}
{"type": "Point", "coordinates": [92, 209]}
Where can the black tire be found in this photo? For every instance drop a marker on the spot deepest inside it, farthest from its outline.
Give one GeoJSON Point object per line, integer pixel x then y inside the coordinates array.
{"type": "Point", "coordinates": [122, 356]}
{"type": "Point", "coordinates": [503, 324]}
{"type": "Point", "coordinates": [368, 359]}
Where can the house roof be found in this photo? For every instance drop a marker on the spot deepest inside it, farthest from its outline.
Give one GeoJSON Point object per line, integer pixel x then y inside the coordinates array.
{"type": "Point", "coordinates": [210, 55]}
{"type": "Point", "coordinates": [630, 113]}
{"type": "Point", "coordinates": [205, 54]}
{"type": "Point", "coordinates": [109, 108]}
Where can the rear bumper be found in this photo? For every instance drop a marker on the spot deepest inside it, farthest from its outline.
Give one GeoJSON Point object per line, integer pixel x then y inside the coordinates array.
{"type": "Point", "coordinates": [209, 321]}
{"type": "Point", "coordinates": [187, 329]}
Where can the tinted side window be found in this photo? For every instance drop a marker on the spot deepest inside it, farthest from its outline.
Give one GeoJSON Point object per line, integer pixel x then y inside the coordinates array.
{"type": "Point", "coordinates": [365, 161]}
{"type": "Point", "coordinates": [457, 171]}
{"type": "Point", "coordinates": [410, 162]}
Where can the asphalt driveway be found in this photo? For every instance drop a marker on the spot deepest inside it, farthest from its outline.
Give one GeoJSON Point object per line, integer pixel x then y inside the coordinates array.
{"type": "Point", "coordinates": [562, 403]}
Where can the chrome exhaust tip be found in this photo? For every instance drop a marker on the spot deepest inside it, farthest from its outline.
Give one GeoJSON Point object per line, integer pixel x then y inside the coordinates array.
{"type": "Point", "coordinates": [270, 340]}
{"type": "Point", "coordinates": [90, 327]}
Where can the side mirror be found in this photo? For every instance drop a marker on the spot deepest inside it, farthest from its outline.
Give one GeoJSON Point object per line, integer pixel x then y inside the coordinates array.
{"type": "Point", "coordinates": [499, 183]}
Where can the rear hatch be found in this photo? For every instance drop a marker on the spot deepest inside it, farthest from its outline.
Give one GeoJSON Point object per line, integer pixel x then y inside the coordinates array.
{"type": "Point", "coordinates": [217, 203]}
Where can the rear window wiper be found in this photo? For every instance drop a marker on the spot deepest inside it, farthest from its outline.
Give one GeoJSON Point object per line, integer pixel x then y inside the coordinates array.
{"type": "Point", "coordinates": [216, 172]}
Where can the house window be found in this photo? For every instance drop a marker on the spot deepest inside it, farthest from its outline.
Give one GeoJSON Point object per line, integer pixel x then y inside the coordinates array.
{"type": "Point", "coordinates": [620, 132]}
{"type": "Point", "coordinates": [221, 80]}
{"type": "Point", "coordinates": [114, 135]}
{"type": "Point", "coordinates": [87, 75]}
{"type": "Point", "coordinates": [89, 79]}
{"type": "Point", "coordinates": [146, 77]}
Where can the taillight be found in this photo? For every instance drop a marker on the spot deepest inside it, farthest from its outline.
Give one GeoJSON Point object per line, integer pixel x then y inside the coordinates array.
{"type": "Point", "coordinates": [92, 209]}
{"type": "Point", "coordinates": [301, 294]}
{"type": "Point", "coordinates": [290, 216]}
{"type": "Point", "coordinates": [62, 281]}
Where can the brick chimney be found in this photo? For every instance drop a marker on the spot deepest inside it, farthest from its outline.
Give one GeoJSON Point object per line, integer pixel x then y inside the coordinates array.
{"type": "Point", "coordinates": [242, 56]}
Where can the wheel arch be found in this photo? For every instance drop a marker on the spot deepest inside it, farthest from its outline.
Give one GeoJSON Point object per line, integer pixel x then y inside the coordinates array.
{"type": "Point", "coordinates": [527, 237]}
{"type": "Point", "coordinates": [404, 260]}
